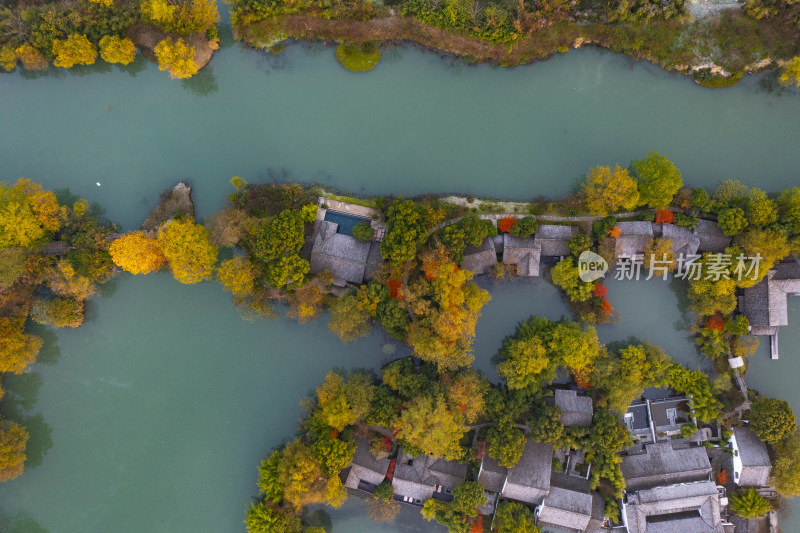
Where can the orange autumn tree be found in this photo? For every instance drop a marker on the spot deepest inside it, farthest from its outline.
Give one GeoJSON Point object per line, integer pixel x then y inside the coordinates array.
{"type": "Point", "coordinates": [722, 477]}
{"type": "Point", "coordinates": [665, 216]}
{"type": "Point", "coordinates": [506, 223]}
{"type": "Point", "coordinates": [137, 253]}
{"type": "Point", "coordinates": [716, 323]}
{"type": "Point", "coordinates": [614, 232]}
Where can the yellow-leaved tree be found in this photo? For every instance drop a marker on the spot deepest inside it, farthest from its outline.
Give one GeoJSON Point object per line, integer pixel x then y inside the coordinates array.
{"type": "Point", "coordinates": [791, 75]}
{"type": "Point", "coordinates": [17, 348]}
{"type": "Point", "coordinates": [607, 190]}
{"type": "Point", "coordinates": [27, 213]}
{"type": "Point", "coordinates": [137, 253]}
{"type": "Point", "coordinates": [183, 18]}
{"type": "Point", "coordinates": [104, 3]}
{"type": "Point", "coordinates": [8, 58]}
{"type": "Point", "coordinates": [74, 50]}
{"type": "Point", "coordinates": [238, 275]}
{"type": "Point", "coordinates": [177, 57]}
{"type": "Point", "coordinates": [190, 254]}
{"type": "Point", "coordinates": [115, 49]}
{"type": "Point", "coordinates": [13, 441]}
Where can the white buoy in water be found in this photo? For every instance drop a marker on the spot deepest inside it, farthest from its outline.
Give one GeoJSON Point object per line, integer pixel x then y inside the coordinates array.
{"type": "Point", "coordinates": [98, 183]}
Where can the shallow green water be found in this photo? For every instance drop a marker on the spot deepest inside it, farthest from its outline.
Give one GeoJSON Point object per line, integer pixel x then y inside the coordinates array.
{"type": "Point", "coordinates": [154, 415]}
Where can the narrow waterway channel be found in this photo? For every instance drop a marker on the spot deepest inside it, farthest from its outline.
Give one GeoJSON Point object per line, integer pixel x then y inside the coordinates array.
{"type": "Point", "coordinates": [154, 415]}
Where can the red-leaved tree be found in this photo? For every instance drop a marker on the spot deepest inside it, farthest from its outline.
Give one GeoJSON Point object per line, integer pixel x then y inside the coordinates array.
{"type": "Point", "coordinates": [506, 223]}
{"type": "Point", "coordinates": [665, 216]}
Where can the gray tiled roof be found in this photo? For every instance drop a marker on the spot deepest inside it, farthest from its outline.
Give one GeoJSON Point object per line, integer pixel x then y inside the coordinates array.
{"type": "Point", "coordinates": [683, 240]}
{"type": "Point", "coordinates": [365, 466]}
{"type": "Point", "coordinates": [524, 253]}
{"type": "Point", "coordinates": [663, 465]}
{"type": "Point", "coordinates": [682, 508]}
{"type": "Point", "coordinates": [712, 239]}
{"type": "Point", "coordinates": [566, 508]}
{"type": "Point", "coordinates": [765, 304]}
{"type": "Point", "coordinates": [478, 259]}
{"type": "Point", "coordinates": [529, 480]}
{"type": "Point", "coordinates": [553, 239]}
{"type": "Point", "coordinates": [756, 466]}
{"type": "Point", "coordinates": [419, 478]}
{"type": "Point", "coordinates": [492, 475]}
{"type": "Point", "coordinates": [575, 410]}
{"type": "Point", "coordinates": [343, 255]}
{"type": "Point", "coordinates": [634, 238]}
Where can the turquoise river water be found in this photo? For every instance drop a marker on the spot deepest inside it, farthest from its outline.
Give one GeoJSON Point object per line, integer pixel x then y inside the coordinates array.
{"type": "Point", "coordinates": [153, 416]}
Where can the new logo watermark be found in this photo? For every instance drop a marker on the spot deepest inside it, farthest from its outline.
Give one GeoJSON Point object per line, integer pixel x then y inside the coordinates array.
{"type": "Point", "coordinates": [712, 266]}
{"type": "Point", "coordinates": [591, 266]}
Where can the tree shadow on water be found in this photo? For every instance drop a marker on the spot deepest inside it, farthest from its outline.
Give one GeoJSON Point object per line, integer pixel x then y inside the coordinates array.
{"type": "Point", "coordinates": [21, 522]}
{"type": "Point", "coordinates": [21, 396]}
{"type": "Point", "coordinates": [203, 83]}
{"type": "Point", "coordinates": [50, 352]}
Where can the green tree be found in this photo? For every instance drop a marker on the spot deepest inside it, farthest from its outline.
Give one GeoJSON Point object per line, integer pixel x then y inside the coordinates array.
{"type": "Point", "coordinates": [730, 193]}
{"type": "Point", "coordinates": [288, 271]}
{"type": "Point", "coordinates": [382, 507]}
{"type": "Point", "coordinates": [333, 454]}
{"type": "Point", "coordinates": [505, 444]}
{"type": "Point", "coordinates": [786, 467]}
{"type": "Point", "coordinates": [467, 497]}
{"type": "Point", "coordinates": [513, 517]}
{"type": "Point", "coordinates": [363, 231]}
{"type": "Point", "coordinates": [658, 180]}
{"type": "Point", "coordinates": [760, 210]}
{"type": "Point", "coordinates": [190, 254]}
{"type": "Point", "coordinates": [428, 425]}
{"type": "Point", "coordinates": [264, 519]}
{"type": "Point", "coordinates": [607, 190]}
{"type": "Point", "coordinates": [772, 420]}
{"type": "Point", "coordinates": [701, 201]}
{"type": "Point", "coordinates": [623, 376]}
{"type": "Point", "coordinates": [749, 504]}
{"type": "Point", "coordinates": [13, 441]}
{"type": "Point", "coordinates": [525, 227]}
{"type": "Point", "coordinates": [607, 436]}
{"type": "Point", "coordinates": [732, 221]}
{"type": "Point", "coordinates": [545, 424]}
{"type": "Point", "coordinates": [405, 230]}
{"type": "Point", "coordinates": [281, 235]}
{"type": "Point", "coordinates": [524, 363]}
{"type": "Point", "coordinates": [58, 312]}
{"type": "Point", "coordinates": [349, 318]}
{"type": "Point", "coordinates": [789, 209]}
{"type": "Point", "coordinates": [565, 275]}
{"type": "Point", "coordinates": [705, 405]}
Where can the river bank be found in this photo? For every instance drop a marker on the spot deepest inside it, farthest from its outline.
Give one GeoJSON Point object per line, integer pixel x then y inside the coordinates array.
{"type": "Point", "coordinates": [705, 50]}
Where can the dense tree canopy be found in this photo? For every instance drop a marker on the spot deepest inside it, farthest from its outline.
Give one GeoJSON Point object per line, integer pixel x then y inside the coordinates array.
{"type": "Point", "coordinates": [177, 57]}
{"type": "Point", "coordinates": [772, 420]}
{"type": "Point", "coordinates": [427, 425]}
{"type": "Point", "coordinates": [513, 517]}
{"type": "Point", "coordinates": [658, 180]}
{"type": "Point", "coordinates": [74, 50]}
{"type": "Point", "coordinates": [608, 190]}
{"type": "Point", "coordinates": [190, 254]}
{"type": "Point", "coordinates": [13, 440]}
{"type": "Point", "coordinates": [749, 504]}
{"type": "Point", "coordinates": [114, 49]}
{"type": "Point", "coordinates": [405, 230]}
{"type": "Point", "coordinates": [27, 213]}
{"type": "Point", "coordinates": [137, 252]}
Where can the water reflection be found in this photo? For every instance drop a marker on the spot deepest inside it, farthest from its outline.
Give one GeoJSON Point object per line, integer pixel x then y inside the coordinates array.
{"type": "Point", "coordinates": [21, 396]}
